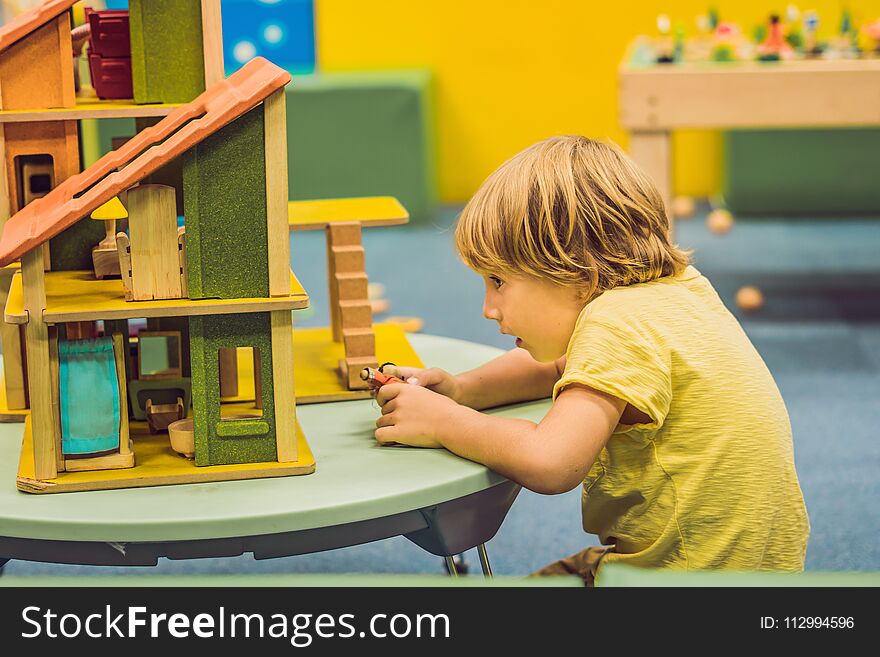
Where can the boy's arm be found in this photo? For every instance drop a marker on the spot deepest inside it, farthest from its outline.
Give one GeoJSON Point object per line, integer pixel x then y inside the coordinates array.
{"type": "Point", "coordinates": [551, 457]}
{"type": "Point", "coordinates": [512, 377]}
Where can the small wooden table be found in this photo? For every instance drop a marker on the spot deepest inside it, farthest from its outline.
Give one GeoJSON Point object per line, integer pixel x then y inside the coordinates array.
{"type": "Point", "coordinates": [352, 342]}
{"type": "Point", "coordinates": [360, 492]}
{"type": "Point", "coordinates": [656, 99]}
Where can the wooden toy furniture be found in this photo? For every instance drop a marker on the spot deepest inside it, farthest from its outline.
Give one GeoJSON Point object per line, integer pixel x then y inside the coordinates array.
{"type": "Point", "coordinates": [13, 392]}
{"type": "Point", "coordinates": [352, 338]}
{"type": "Point", "coordinates": [105, 256]}
{"type": "Point", "coordinates": [161, 416]}
{"type": "Point", "coordinates": [239, 287]}
{"type": "Point", "coordinates": [110, 53]}
{"type": "Point", "coordinates": [151, 252]}
{"type": "Point", "coordinates": [655, 100]}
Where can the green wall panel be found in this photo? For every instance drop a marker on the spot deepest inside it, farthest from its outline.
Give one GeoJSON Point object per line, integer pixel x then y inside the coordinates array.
{"type": "Point", "coordinates": [167, 62]}
{"type": "Point", "coordinates": [224, 195]}
{"type": "Point", "coordinates": [243, 441]}
{"type": "Point", "coordinates": [362, 134]}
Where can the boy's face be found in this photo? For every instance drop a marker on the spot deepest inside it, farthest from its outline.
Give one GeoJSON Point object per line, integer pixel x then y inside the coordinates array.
{"type": "Point", "coordinates": [539, 313]}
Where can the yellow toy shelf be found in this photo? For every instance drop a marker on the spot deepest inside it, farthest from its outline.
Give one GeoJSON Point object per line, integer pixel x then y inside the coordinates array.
{"type": "Point", "coordinates": [76, 296]}
{"type": "Point", "coordinates": [88, 106]}
{"type": "Point", "coordinates": [369, 211]}
{"type": "Point", "coordinates": [156, 464]}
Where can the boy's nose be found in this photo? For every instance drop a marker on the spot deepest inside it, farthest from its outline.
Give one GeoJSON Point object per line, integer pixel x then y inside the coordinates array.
{"type": "Point", "coordinates": [490, 312]}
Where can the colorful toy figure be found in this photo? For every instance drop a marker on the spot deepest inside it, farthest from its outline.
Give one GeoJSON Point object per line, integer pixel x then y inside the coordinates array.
{"type": "Point", "coordinates": [678, 48]}
{"type": "Point", "coordinates": [774, 47]}
{"type": "Point", "coordinates": [792, 30]}
{"type": "Point", "coordinates": [727, 42]}
{"type": "Point", "coordinates": [665, 48]}
{"type": "Point", "coordinates": [845, 44]}
{"type": "Point", "coordinates": [811, 26]}
{"type": "Point", "coordinates": [870, 34]}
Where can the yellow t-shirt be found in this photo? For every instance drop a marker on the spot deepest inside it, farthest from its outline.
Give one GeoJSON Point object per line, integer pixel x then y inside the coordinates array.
{"type": "Point", "coordinates": [710, 482]}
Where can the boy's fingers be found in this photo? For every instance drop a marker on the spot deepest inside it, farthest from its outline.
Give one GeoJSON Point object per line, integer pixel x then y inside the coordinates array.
{"type": "Point", "coordinates": [384, 435]}
{"type": "Point", "coordinates": [385, 421]}
{"type": "Point", "coordinates": [432, 376]}
{"type": "Point", "coordinates": [388, 392]}
{"type": "Point", "coordinates": [399, 372]}
{"type": "Point", "coordinates": [389, 407]}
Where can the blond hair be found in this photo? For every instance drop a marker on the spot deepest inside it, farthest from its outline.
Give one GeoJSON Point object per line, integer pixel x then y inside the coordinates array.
{"type": "Point", "coordinates": [573, 210]}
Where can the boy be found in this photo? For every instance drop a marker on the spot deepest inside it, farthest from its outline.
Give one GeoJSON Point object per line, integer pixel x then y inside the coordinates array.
{"type": "Point", "coordinates": [662, 408]}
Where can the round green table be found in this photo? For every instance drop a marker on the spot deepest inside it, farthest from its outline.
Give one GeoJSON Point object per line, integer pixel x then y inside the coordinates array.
{"type": "Point", "coordinates": [360, 492]}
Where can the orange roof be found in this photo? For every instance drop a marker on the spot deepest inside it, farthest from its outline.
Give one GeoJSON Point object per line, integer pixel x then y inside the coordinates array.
{"type": "Point", "coordinates": [27, 22]}
{"type": "Point", "coordinates": [140, 156]}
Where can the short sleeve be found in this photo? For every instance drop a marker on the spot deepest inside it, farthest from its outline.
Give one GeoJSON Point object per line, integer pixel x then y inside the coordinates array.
{"type": "Point", "coordinates": [626, 359]}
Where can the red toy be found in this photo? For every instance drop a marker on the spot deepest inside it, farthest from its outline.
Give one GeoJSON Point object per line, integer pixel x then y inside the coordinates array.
{"type": "Point", "coordinates": [110, 53]}
{"type": "Point", "coordinates": [377, 379]}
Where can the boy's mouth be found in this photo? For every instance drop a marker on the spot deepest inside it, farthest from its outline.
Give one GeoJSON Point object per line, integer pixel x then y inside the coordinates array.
{"type": "Point", "coordinates": [519, 342]}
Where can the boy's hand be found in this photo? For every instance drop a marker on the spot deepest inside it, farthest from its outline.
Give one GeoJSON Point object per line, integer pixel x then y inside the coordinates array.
{"type": "Point", "coordinates": [440, 381]}
{"type": "Point", "coordinates": [412, 415]}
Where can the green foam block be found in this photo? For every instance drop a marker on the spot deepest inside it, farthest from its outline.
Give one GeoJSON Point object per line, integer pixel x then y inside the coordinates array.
{"type": "Point", "coordinates": [223, 442]}
{"type": "Point", "coordinates": [362, 134]}
{"type": "Point", "coordinates": [802, 172]}
{"type": "Point", "coordinates": [167, 61]}
{"type": "Point", "coordinates": [224, 197]}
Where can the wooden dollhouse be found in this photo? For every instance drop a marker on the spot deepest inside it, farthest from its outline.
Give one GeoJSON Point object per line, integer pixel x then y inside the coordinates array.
{"type": "Point", "coordinates": [185, 227]}
{"type": "Point", "coordinates": [230, 286]}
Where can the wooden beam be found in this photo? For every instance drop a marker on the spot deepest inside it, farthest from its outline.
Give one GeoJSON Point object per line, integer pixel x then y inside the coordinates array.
{"type": "Point", "coordinates": [11, 340]}
{"type": "Point", "coordinates": [751, 95]}
{"type": "Point", "coordinates": [275, 135]}
{"type": "Point", "coordinates": [42, 395]}
{"type": "Point", "coordinates": [212, 42]}
{"type": "Point", "coordinates": [282, 378]}
{"type": "Point", "coordinates": [119, 352]}
{"type": "Point", "coordinates": [652, 151]}
{"type": "Point", "coordinates": [76, 296]}
{"type": "Point", "coordinates": [65, 49]}
{"type": "Point", "coordinates": [5, 199]}
{"type": "Point", "coordinates": [55, 381]}
{"type": "Point", "coordinates": [13, 366]}
{"type": "Point", "coordinates": [88, 109]}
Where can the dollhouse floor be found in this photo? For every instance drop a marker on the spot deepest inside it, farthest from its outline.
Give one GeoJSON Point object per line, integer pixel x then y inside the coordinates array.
{"type": "Point", "coordinates": [156, 464]}
{"type": "Point", "coordinates": [316, 359]}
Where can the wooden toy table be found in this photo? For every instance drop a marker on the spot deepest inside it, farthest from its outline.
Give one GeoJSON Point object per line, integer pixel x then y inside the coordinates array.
{"type": "Point", "coordinates": [657, 99]}
{"type": "Point", "coordinates": [360, 492]}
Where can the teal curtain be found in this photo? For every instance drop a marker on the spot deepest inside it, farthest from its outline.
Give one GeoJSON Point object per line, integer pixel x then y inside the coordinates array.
{"type": "Point", "coordinates": [89, 392]}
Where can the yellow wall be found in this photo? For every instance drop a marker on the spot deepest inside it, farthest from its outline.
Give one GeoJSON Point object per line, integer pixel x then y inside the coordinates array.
{"type": "Point", "coordinates": [511, 72]}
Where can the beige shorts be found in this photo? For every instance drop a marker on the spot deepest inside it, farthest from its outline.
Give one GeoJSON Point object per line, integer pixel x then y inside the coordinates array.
{"type": "Point", "coordinates": [584, 564]}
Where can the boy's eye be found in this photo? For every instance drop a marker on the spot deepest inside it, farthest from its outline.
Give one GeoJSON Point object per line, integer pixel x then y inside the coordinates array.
{"type": "Point", "coordinates": [497, 282]}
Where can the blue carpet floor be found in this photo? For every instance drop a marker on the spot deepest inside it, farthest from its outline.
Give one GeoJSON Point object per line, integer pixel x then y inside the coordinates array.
{"type": "Point", "coordinates": [819, 332]}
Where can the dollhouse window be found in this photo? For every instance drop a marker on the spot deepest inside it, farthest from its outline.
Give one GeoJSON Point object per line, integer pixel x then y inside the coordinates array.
{"type": "Point", "coordinates": [248, 402]}
{"type": "Point", "coordinates": [35, 176]}
{"type": "Point", "coordinates": [159, 355]}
